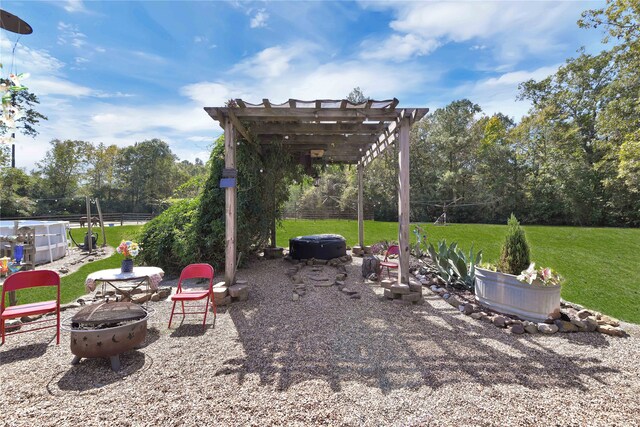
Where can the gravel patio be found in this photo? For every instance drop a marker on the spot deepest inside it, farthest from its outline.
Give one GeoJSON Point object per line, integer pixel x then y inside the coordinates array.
{"type": "Point", "coordinates": [326, 360]}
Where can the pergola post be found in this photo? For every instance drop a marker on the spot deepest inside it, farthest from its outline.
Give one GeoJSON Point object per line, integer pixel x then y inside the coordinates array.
{"type": "Point", "coordinates": [360, 206]}
{"type": "Point", "coordinates": [230, 199]}
{"type": "Point", "coordinates": [403, 201]}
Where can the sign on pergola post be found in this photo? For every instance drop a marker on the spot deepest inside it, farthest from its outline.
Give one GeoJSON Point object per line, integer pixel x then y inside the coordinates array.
{"type": "Point", "coordinates": [338, 131]}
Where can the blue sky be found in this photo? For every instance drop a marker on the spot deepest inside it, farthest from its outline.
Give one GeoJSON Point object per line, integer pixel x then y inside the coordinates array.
{"type": "Point", "coordinates": [121, 72]}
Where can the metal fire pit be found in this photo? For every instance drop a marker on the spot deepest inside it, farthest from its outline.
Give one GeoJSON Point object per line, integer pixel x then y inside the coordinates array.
{"type": "Point", "coordinates": [107, 330]}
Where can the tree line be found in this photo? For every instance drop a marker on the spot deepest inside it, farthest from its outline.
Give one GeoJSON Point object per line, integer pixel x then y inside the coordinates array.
{"type": "Point", "coordinates": [143, 177]}
{"type": "Point", "coordinates": [573, 159]}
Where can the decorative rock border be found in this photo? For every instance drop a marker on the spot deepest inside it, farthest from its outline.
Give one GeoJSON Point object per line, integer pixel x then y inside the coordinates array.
{"type": "Point", "coordinates": [570, 318]}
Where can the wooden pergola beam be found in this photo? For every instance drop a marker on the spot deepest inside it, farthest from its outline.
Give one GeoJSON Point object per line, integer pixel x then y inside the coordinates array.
{"type": "Point", "coordinates": [358, 128]}
{"type": "Point", "coordinates": [312, 114]}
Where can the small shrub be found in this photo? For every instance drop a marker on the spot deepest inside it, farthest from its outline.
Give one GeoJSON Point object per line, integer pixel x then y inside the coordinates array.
{"type": "Point", "coordinates": [515, 256]}
{"type": "Point", "coordinates": [168, 239]}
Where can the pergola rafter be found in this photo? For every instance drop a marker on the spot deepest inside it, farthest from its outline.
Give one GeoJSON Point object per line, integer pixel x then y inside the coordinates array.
{"type": "Point", "coordinates": [336, 131]}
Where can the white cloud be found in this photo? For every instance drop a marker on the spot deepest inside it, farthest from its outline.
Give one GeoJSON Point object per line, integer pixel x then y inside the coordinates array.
{"type": "Point", "coordinates": [498, 94]}
{"type": "Point", "coordinates": [31, 60]}
{"type": "Point", "coordinates": [44, 86]}
{"type": "Point", "coordinates": [70, 34]}
{"type": "Point", "coordinates": [74, 6]}
{"type": "Point", "coordinates": [513, 28]}
{"type": "Point", "coordinates": [270, 62]}
{"type": "Point", "coordinates": [294, 73]}
{"type": "Point", "coordinates": [200, 39]}
{"type": "Point", "coordinates": [399, 48]}
{"type": "Point", "coordinates": [259, 20]}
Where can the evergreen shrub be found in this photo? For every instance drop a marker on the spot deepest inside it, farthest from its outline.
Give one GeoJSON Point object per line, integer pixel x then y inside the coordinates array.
{"type": "Point", "coordinates": [515, 255]}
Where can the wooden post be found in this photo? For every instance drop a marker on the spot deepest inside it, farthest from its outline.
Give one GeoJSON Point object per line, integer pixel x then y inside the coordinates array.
{"type": "Point", "coordinates": [230, 198]}
{"type": "Point", "coordinates": [273, 221]}
{"type": "Point", "coordinates": [89, 225]}
{"type": "Point", "coordinates": [360, 206]}
{"type": "Point", "coordinates": [104, 235]}
{"type": "Point", "coordinates": [403, 202]}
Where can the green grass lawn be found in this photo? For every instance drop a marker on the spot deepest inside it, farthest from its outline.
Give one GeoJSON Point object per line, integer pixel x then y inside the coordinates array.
{"type": "Point", "coordinates": [601, 265]}
{"type": "Point", "coordinates": [72, 285]}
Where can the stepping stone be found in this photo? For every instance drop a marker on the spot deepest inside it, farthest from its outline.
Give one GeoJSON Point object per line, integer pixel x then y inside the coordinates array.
{"type": "Point", "coordinates": [239, 290]}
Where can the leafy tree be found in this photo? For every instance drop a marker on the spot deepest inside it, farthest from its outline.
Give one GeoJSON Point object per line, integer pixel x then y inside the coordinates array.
{"type": "Point", "coordinates": [146, 173]}
{"type": "Point", "coordinates": [357, 96]}
{"type": "Point", "coordinates": [16, 186]}
{"type": "Point", "coordinates": [63, 167]}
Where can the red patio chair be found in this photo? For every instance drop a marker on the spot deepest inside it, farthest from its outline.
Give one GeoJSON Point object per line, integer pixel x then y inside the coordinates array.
{"type": "Point", "coordinates": [392, 250]}
{"type": "Point", "coordinates": [31, 279]}
{"type": "Point", "coordinates": [195, 271]}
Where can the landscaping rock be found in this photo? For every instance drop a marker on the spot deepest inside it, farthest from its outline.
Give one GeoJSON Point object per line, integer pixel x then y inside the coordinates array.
{"type": "Point", "coordinates": [33, 318]}
{"type": "Point", "coordinates": [611, 330]}
{"type": "Point", "coordinates": [349, 291]}
{"type": "Point", "coordinates": [547, 329]}
{"type": "Point", "coordinates": [606, 320]}
{"type": "Point", "coordinates": [478, 316]}
{"type": "Point", "coordinates": [295, 297]}
{"type": "Point", "coordinates": [415, 286]}
{"type": "Point", "coordinates": [165, 292]}
{"type": "Point", "coordinates": [390, 295]}
{"type": "Point", "coordinates": [355, 296]}
{"type": "Point", "coordinates": [564, 326]}
{"type": "Point", "coordinates": [155, 297]}
{"type": "Point", "coordinates": [446, 296]}
{"type": "Point", "coordinates": [580, 324]}
{"type": "Point", "coordinates": [517, 329]}
{"type": "Point", "coordinates": [468, 309]}
{"type": "Point", "coordinates": [341, 276]}
{"type": "Point", "coordinates": [69, 305]}
{"type": "Point", "coordinates": [387, 283]}
{"type": "Point", "coordinates": [531, 328]}
{"type": "Point", "coordinates": [224, 301]}
{"type": "Point", "coordinates": [412, 297]}
{"type": "Point", "coordinates": [12, 325]}
{"type": "Point", "coordinates": [592, 323]}
{"type": "Point", "coordinates": [454, 301]}
{"type": "Point", "coordinates": [583, 314]}
{"type": "Point", "coordinates": [500, 321]}
{"type": "Point", "coordinates": [140, 298]}
{"type": "Point", "coordinates": [239, 290]}
{"type": "Point", "coordinates": [400, 288]}
{"type": "Point", "coordinates": [219, 293]}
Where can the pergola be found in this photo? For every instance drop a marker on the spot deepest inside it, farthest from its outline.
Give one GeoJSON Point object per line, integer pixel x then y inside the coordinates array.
{"type": "Point", "coordinates": [336, 131]}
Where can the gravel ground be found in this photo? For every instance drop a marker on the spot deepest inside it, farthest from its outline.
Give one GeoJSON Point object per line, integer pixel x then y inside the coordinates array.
{"type": "Point", "coordinates": [326, 360]}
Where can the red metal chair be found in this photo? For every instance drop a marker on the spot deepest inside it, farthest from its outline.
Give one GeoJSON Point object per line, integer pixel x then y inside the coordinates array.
{"type": "Point", "coordinates": [392, 250]}
{"type": "Point", "coordinates": [195, 271]}
{"type": "Point", "coordinates": [31, 279]}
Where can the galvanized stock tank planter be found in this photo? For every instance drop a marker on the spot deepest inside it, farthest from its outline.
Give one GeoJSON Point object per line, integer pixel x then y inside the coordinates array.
{"type": "Point", "coordinates": [505, 293]}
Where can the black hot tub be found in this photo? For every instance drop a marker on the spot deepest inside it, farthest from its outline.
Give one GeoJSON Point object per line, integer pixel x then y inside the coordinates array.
{"type": "Point", "coordinates": [319, 246]}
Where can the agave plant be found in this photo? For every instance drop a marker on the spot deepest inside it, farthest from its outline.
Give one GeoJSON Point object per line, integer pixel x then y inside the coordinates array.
{"type": "Point", "coordinates": [454, 266]}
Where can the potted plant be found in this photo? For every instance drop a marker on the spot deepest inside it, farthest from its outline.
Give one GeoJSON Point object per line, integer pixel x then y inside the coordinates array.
{"type": "Point", "coordinates": [129, 250]}
{"type": "Point", "coordinates": [516, 287]}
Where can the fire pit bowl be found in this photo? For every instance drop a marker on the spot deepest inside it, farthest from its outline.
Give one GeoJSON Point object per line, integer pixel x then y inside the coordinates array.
{"type": "Point", "coordinates": [319, 246]}
{"type": "Point", "coordinates": [106, 330]}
